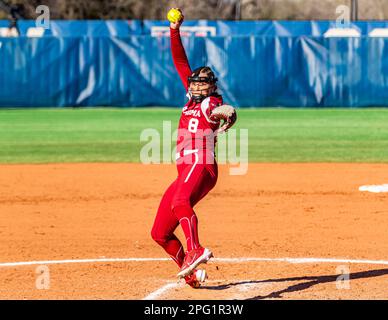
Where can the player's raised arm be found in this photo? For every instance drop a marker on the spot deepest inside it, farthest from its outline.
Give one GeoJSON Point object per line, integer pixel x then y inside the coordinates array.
{"type": "Point", "coordinates": [179, 57]}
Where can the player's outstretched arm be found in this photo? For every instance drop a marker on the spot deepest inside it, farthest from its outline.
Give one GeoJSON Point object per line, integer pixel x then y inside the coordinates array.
{"type": "Point", "coordinates": [179, 57]}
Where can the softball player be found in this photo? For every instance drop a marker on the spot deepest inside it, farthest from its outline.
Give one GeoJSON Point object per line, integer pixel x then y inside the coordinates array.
{"type": "Point", "coordinates": [199, 124]}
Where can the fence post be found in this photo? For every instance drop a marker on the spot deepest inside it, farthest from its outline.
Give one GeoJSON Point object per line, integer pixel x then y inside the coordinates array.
{"type": "Point", "coordinates": [354, 10]}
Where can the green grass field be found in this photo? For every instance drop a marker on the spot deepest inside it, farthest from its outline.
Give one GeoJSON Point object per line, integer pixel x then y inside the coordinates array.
{"type": "Point", "coordinates": [112, 135]}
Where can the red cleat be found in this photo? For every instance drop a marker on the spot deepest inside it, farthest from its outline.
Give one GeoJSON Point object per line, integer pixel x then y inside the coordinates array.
{"type": "Point", "coordinates": [195, 279]}
{"type": "Point", "coordinates": [192, 259]}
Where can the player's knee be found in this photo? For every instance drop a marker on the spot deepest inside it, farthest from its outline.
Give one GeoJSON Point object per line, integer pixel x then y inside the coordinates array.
{"type": "Point", "coordinates": [158, 237]}
{"type": "Point", "coordinates": [154, 234]}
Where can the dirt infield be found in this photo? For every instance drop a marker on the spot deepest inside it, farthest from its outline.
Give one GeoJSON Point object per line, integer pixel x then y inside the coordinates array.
{"type": "Point", "coordinates": [103, 211]}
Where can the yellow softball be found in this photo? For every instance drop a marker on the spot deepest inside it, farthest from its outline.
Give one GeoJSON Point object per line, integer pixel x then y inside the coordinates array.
{"type": "Point", "coordinates": [174, 15]}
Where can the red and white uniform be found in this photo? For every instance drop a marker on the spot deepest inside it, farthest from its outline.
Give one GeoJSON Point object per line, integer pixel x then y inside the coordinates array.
{"type": "Point", "coordinates": [197, 168]}
{"type": "Point", "coordinates": [196, 131]}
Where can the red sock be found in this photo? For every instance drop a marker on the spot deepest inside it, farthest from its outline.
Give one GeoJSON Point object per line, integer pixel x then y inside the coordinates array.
{"type": "Point", "coordinates": [174, 248]}
{"type": "Point", "coordinates": [189, 223]}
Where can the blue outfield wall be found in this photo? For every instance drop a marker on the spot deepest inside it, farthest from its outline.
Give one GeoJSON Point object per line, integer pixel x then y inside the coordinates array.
{"type": "Point", "coordinates": [124, 28]}
{"type": "Point", "coordinates": [137, 70]}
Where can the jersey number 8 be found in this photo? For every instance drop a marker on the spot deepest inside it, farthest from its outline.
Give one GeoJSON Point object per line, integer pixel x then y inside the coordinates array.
{"type": "Point", "coordinates": [193, 125]}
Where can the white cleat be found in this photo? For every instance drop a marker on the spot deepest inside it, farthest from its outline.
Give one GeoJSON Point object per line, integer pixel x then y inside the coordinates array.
{"type": "Point", "coordinates": [194, 258]}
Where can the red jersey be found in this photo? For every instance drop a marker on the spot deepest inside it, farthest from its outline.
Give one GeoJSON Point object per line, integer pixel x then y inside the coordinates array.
{"type": "Point", "coordinates": [195, 130]}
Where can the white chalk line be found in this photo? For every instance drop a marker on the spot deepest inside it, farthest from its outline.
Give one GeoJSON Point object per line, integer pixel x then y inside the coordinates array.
{"type": "Point", "coordinates": [222, 260]}
{"type": "Point", "coordinates": [246, 286]}
{"type": "Point", "coordinates": [375, 188]}
{"type": "Point", "coordinates": [171, 285]}
{"type": "Point", "coordinates": [164, 289]}
{"type": "Point", "coordinates": [157, 293]}
{"type": "Point", "coordinates": [98, 260]}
